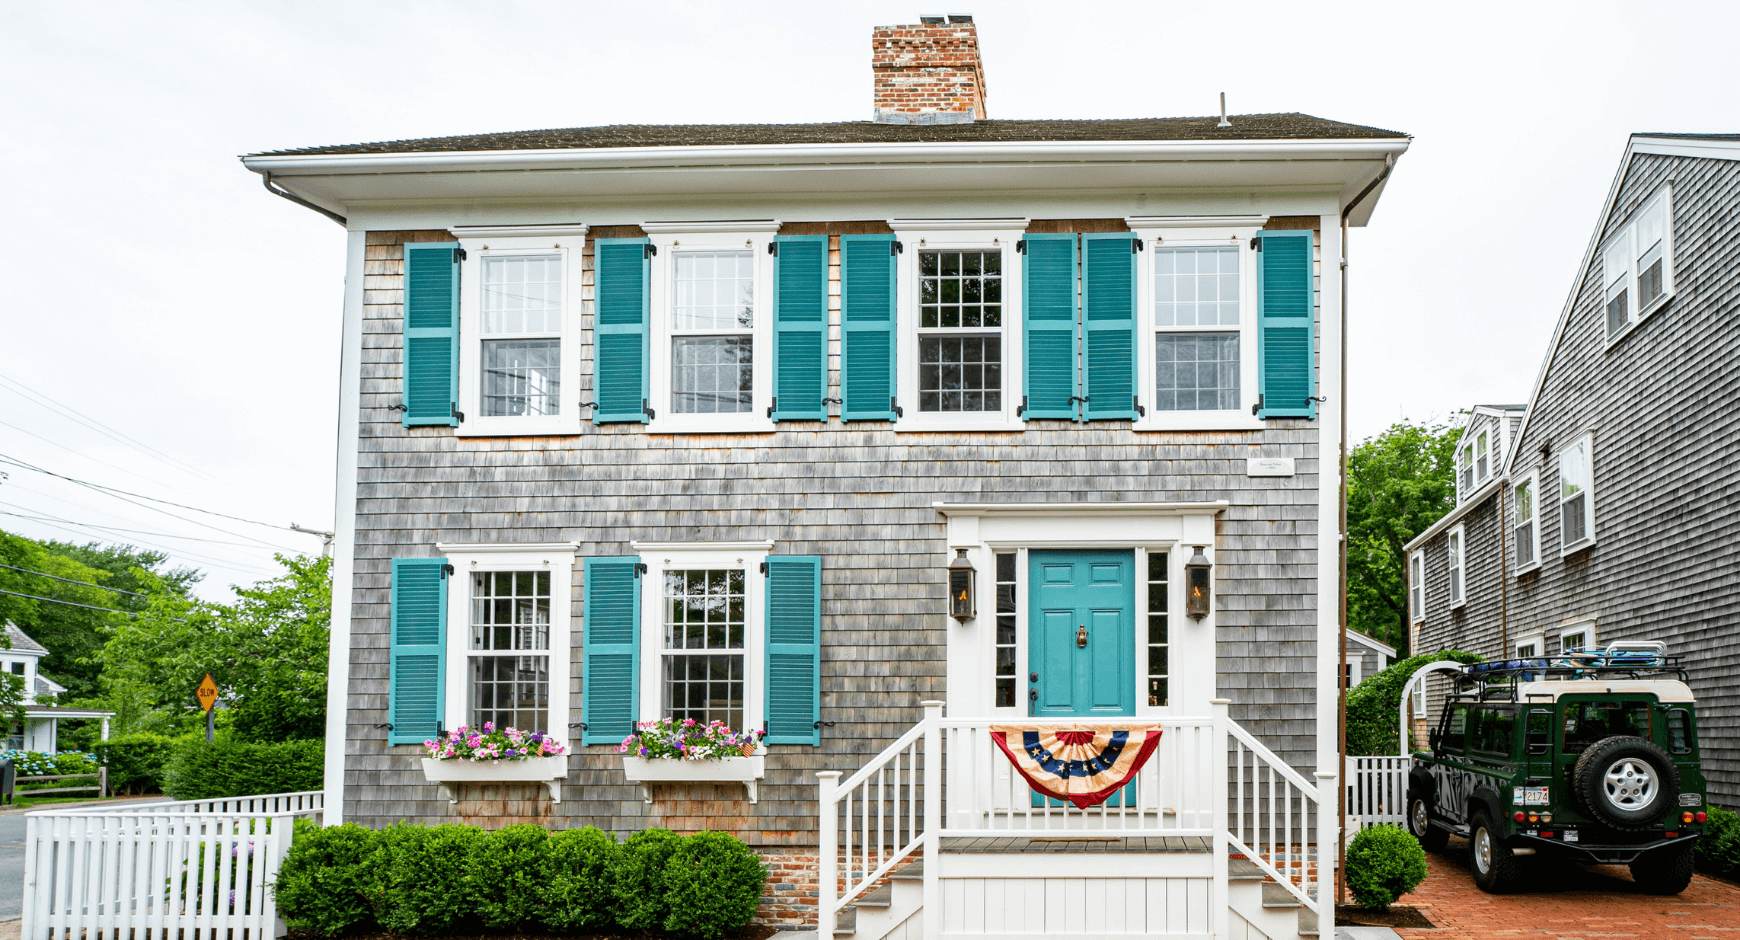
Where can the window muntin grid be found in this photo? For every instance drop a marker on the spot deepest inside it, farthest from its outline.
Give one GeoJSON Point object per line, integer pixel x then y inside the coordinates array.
{"type": "Point", "coordinates": [1523, 509]}
{"type": "Point", "coordinates": [510, 611]}
{"type": "Point", "coordinates": [522, 299]}
{"type": "Point", "coordinates": [522, 377]}
{"type": "Point", "coordinates": [1004, 655]}
{"type": "Point", "coordinates": [715, 290]}
{"type": "Point", "coordinates": [702, 654]}
{"type": "Point", "coordinates": [1159, 632]}
{"type": "Point", "coordinates": [522, 294]}
{"type": "Point", "coordinates": [1454, 550]}
{"type": "Point", "coordinates": [712, 348]}
{"type": "Point", "coordinates": [960, 321]}
{"type": "Point", "coordinates": [1575, 471]}
{"type": "Point", "coordinates": [1196, 286]}
{"type": "Point", "coordinates": [1196, 371]}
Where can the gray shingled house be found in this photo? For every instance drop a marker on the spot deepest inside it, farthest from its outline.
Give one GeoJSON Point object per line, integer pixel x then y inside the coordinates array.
{"type": "Point", "coordinates": [692, 421]}
{"type": "Point", "coordinates": [1608, 512]}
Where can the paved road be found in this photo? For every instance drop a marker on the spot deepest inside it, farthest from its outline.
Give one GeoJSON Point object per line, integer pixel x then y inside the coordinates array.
{"type": "Point", "coordinates": [11, 866]}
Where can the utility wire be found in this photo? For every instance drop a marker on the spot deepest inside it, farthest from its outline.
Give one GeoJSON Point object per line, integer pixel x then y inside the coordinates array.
{"type": "Point", "coordinates": [39, 398]}
{"type": "Point", "coordinates": [110, 528]}
{"type": "Point", "coordinates": [88, 584]}
{"type": "Point", "coordinates": [168, 551]}
{"type": "Point", "coordinates": [51, 600]}
{"type": "Point", "coordinates": [85, 456]}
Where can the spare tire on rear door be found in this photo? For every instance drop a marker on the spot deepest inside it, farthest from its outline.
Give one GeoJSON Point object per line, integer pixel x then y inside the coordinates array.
{"type": "Point", "coordinates": [1626, 782]}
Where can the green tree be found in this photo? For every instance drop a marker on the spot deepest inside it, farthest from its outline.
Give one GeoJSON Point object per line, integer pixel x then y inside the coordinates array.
{"type": "Point", "coordinates": [1398, 484]}
{"type": "Point", "coordinates": [33, 578]}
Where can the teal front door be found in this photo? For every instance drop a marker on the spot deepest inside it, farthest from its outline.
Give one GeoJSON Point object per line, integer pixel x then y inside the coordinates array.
{"type": "Point", "coordinates": [1082, 633]}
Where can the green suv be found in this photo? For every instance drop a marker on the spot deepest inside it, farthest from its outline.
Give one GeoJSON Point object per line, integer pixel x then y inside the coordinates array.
{"type": "Point", "coordinates": [1592, 755]}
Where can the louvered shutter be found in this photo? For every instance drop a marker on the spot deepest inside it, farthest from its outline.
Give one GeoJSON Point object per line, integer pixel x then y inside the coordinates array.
{"type": "Point", "coordinates": [794, 649]}
{"type": "Point", "coordinates": [1048, 327]}
{"type": "Point", "coordinates": [1108, 297]}
{"type": "Point", "coordinates": [1285, 376]}
{"type": "Point", "coordinates": [431, 383]}
{"type": "Point", "coordinates": [622, 275]}
{"type": "Point", "coordinates": [417, 658]}
{"type": "Point", "coordinates": [800, 327]}
{"type": "Point", "coordinates": [867, 359]}
{"type": "Point", "coordinates": [610, 674]}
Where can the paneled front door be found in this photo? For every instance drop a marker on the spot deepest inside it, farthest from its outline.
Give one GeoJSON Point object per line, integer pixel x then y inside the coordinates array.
{"type": "Point", "coordinates": [1082, 632]}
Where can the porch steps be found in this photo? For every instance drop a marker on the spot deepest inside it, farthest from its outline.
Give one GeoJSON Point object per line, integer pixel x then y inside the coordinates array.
{"type": "Point", "coordinates": [1269, 909]}
{"type": "Point", "coordinates": [881, 913]}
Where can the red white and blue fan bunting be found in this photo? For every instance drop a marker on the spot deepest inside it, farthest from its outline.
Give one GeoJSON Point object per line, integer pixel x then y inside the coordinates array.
{"type": "Point", "coordinates": [1084, 764]}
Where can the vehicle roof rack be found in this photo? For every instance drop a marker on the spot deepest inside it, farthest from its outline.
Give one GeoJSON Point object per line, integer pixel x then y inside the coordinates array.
{"type": "Point", "coordinates": [1497, 681]}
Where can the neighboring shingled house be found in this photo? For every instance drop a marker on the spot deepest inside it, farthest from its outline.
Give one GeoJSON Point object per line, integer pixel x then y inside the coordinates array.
{"type": "Point", "coordinates": [40, 729]}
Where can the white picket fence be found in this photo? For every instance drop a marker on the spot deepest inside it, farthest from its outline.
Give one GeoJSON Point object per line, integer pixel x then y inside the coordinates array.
{"type": "Point", "coordinates": [182, 870]}
{"type": "Point", "coordinates": [1377, 790]}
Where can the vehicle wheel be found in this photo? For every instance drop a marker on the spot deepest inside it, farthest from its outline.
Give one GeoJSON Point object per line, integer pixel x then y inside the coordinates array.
{"type": "Point", "coordinates": [1495, 868]}
{"type": "Point", "coordinates": [1626, 782]}
{"type": "Point", "coordinates": [1432, 839]}
{"type": "Point", "coordinates": [1663, 872]}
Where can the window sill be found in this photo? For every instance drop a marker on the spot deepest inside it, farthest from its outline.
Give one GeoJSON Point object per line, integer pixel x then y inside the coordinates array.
{"type": "Point", "coordinates": [1529, 568]}
{"type": "Point", "coordinates": [1576, 547]}
{"type": "Point", "coordinates": [927, 423]}
{"type": "Point", "coordinates": [1199, 421]}
{"type": "Point", "coordinates": [1458, 605]}
{"type": "Point", "coordinates": [1654, 308]}
{"type": "Point", "coordinates": [744, 770]}
{"type": "Point", "coordinates": [712, 424]}
{"type": "Point", "coordinates": [518, 427]}
{"type": "Point", "coordinates": [450, 773]}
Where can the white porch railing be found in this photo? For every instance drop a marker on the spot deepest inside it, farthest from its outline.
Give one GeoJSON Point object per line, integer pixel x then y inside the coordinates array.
{"type": "Point", "coordinates": [946, 778]}
{"type": "Point", "coordinates": [177, 870]}
{"type": "Point", "coordinates": [1377, 789]}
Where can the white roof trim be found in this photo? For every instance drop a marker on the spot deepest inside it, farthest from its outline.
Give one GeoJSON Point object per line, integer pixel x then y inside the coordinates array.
{"type": "Point", "coordinates": [569, 229]}
{"type": "Point", "coordinates": [765, 545]}
{"type": "Point", "coordinates": [1195, 221]}
{"type": "Point", "coordinates": [1370, 642]}
{"type": "Point", "coordinates": [1455, 515]}
{"type": "Point", "coordinates": [488, 548]}
{"type": "Point", "coordinates": [702, 228]}
{"type": "Point", "coordinates": [1687, 147]}
{"type": "Point", "coordinates": [959, 225]}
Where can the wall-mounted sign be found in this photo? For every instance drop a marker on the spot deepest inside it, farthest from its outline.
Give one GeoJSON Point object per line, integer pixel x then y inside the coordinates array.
{"type": "Point", "coordinates": [1268, 466]}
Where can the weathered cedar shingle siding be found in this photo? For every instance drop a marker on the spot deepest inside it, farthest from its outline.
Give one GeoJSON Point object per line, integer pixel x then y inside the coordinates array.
{"type": "Point", "coordinates": [1664, 405]}
{"type": "Point", "coordinates": [859, 496]}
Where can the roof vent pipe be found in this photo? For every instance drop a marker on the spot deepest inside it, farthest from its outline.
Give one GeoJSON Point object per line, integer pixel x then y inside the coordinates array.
{"type": "Point", "coordinates": [1223, 121]}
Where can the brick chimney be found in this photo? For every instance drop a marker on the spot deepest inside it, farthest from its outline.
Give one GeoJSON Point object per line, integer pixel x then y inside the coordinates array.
{"type": "Point", "coordinates": [928, 74]}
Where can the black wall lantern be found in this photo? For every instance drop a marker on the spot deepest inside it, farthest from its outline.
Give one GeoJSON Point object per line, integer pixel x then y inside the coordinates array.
{"type": "Point", "coordinates": [1196, 585]}
{"type": "Point", "coordinates": [961, 587]}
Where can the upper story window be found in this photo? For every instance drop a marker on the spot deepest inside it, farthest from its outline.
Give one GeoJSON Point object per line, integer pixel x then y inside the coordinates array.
{"type": "Point", "coordinates": [1637, 264]}
{"type": "Point", "coordinates": [521, 332]}
{"type": "Point", "coordinates": [1196, 358]}
{"type": "Point", "coordinates": [1525, 530]}
{"type": "Point", "coordinates": [1576, 495]}
{"type": "Point", "coordinates": [712, 332]}
{"type": "Point", "coordinates": [1457, 554]}
{"type": "Point", "coordinates": [1417, 586]}
{"type": "Point", "coordinates": [1482, 456]}
{"type": "Point", "coordinates": [957, 285]}
{"type": "Point", "coordinates": [960, 339]}
{"type": "Point", "coordinates": [1465, 470]}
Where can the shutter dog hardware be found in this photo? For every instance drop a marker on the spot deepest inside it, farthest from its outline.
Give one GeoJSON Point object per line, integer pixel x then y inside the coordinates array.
{"type": "Point", "coordinates": [648, 250]}
{"type": "Point", "coordinates": [894, 406]}
{"type": "Point", "coordinates": [401, 406]}
{"type": "Point", "coordinates": [447, 571]}
{"type": "Point", "coordinates": [1258, 407]}
{"type": "Point", "coordinates": [1136, 402]}
{"type": "Point", "coordinates": [454, 407]}
{"type": "Point", "coordinates": [895, 248]}
{"type": "Point", "coordinates": [819, 723]}
{"type": "Point", "coordinates": [773, 249]}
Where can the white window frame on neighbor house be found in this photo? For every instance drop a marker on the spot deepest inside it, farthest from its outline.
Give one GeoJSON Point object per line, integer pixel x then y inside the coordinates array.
{"type": "Point", "coordinates": [661, 557]}
{"type": "Point", "coordinates": [1536, 641]}
{"type": "Point", "coordinates": [468, 559]}
{"type": "Point", "coordinates": [1456, 554]}
{"type": "Point", "coordinates": [1532, 480]}
{"type": "Point", "coordinates": [1586, 441]}
{"type": "Point", "coordinates": [670, 239]}
{"type": "Point", "coordinates": [1464, 471]}
{"type": "Point", "coordinates": [921, 235]}
{"type": "Point", "coordinates": [1584, 627]}
{"type": "Point", "coordinates": [1622, 268]}
{"type": "Point", "coordinates": [1417, 586]}
{"type": "Point", "coordinates": [1161, 233]}
{"type": "Point", "coordinates": [485, 242]}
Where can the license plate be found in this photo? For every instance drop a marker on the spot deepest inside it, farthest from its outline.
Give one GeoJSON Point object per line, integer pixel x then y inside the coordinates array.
{"type": "Point", "coordinates": [1570, 835]}
{"type": "Point", "coordinates": [1535, 796]}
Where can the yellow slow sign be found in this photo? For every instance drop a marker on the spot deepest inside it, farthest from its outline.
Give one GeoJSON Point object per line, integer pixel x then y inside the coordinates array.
{"type": "Point", "coordinates": [207, 693]}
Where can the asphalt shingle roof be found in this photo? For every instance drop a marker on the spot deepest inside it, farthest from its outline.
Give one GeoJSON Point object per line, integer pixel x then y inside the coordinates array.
{"type": "Point", "coordinates": [22, 642]}
{"type": "Point", "coordinates": [1291, 126]}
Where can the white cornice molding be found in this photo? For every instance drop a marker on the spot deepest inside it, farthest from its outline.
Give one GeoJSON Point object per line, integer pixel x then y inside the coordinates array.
{"type": "Point", "coordinates": [499, 548]}
{"type": "Point", "coordinates": [1196, 221]}
{"type": "Point", "coordinates": [702, 228]}
{"type": "Point", "coordinates": [554, 230]}
{"type": "Point", "coordinates": [1034, 510]}
{"type": "Point", "coordinates": [765, 545]}
{"type": "Point", "coordinates": [1687, 147]}
{"type": "Point", "coordinates": [959, 225]}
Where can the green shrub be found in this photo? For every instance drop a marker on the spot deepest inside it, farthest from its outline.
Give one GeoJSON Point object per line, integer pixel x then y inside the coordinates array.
{"type": "Point", "coordinates": [1372, 706]}
{"type": "Point", "coordinates": [578, 880]}
{"type": "Point", "coordinates": [421, 878]}
{"type": "Point", "coordinates": [1384, 863]}
{"type": "Point", "coordinates": [135, 761]}
{"type": "Point", "coordinates": [637, 879]}
{"type": "Point", "coordinates": [505, 877]}
{"type": "Point", "coordinates": [712, 884]}
{"type": "Point", "coordinates": [200, 771]}
{"type": "Point", "coordinates": [327, 882]}
{"type": "Point", "coordinates": [1718, 851]}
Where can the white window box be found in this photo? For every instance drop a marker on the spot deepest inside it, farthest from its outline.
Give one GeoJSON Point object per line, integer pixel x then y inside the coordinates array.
{"type": "Point", "coordinates": [450, 773]}
{"type": "Point", "coordinates": [744, 770]}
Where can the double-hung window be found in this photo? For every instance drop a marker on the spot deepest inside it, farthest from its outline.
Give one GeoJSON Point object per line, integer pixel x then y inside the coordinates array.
{"type": "Point", "coordinates": [704, 635]}
{"type": "Point", "coordinates": [958, 349]}
{"type": "Point", "coordinates": [1637, 264]}
{"type": "Point", "coordinates": [1482, 455]}
{"type": "Point", "coordinates": [1457, 552]}
{"type": "Point", "coordinates": [1417, 586]}
{"type": "Point", "coordinates": [1465, 470]}
{"type": "Point", "coordinates": [1577, 495]}
{"type": "Point", "coordinates": [1525, 526]}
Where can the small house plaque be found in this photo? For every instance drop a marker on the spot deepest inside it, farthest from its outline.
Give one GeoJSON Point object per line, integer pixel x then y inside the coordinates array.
{"type": "Point", "coordinates": [1269, 466]}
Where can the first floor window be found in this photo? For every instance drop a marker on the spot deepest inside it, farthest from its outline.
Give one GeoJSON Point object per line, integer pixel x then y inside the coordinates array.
{"type": "Point", "coordinates": [1005, 645]}
{"type": "Point", "coordinates": [1576, 479]}
{"type": "Point", "coordinates": [712, 344]}
{"type": "Point", "coordinates": [521, 327]}
{"type": "Point", "coordinates": [1196, 371]}
{"type": "Point", "coordinates": [1456, 569]}
{"type": "Point", "coordinates": [1159, 633]}
{"type": "Point", "coordinates": [1528, 649]}
{"type": "Point", "coordinates": [1523, 522]}
{"type": "Point", "coordinates": [703, 645]}
{"type": "Point", "coordinates": [960, 339]}
{"type": "Point", "coordinates": [508, 655]}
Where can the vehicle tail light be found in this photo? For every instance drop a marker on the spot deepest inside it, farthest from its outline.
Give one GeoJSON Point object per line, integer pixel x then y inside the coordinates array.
{"type": "Point", "coordinates": [1547, 835]}
{"type": "Point", "coordinates": [1671, 835]}
{"type": "Point", "coordinates": [1685, 817]}
{"type": "Point", "coordinates": [1701, 817]}
{"type": "Point", "coordinates": [1520, 815]}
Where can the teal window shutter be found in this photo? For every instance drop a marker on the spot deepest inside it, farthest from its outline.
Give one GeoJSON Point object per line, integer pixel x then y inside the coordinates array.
{"type": "Point", "coordinates": [794, 649]}
{"type": "Point", "coordinates": [800, 327]}
{"type": "Point", "coordinates": [1051, 385]}
{"type": "Point", "coordinates": [1108, 298]}
{"type": "Point", "coordinates": [621, 292]}
{"type": "Point", "coordinates": [417, 658]}
{"type": "Point", "coordinates": [431, 383]}
{"type": "Point", "coordinates": [867, 338]}
{"type": "Point", "coordinates": [610, 669]}
{"type": "Point", "coordinates": [1285, 374]}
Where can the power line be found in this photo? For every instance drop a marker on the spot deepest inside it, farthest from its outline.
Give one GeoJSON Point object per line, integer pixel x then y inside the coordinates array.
{"type": "Point", "coordinates": [33, 395]}
{"type": "Point", "coordinates": [168, 551]}
{"type": "Point", "coordinates": [51, 600]}
{"type": "Point", "coordinates": [110, 528]}
{"type": "Point", "coordinates": [88, 584]}
{"type": "Point", "coordinates": [85, 456]}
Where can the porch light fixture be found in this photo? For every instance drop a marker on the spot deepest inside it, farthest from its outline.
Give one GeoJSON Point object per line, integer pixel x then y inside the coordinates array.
{"type": "Point", "coordinates": [961, 587]}
{"type": "Point", "coordinates": [1196, 585]}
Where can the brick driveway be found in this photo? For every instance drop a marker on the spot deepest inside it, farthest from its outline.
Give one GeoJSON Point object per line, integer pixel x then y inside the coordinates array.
{"type": "Point", "coordinates": [1567, 901]}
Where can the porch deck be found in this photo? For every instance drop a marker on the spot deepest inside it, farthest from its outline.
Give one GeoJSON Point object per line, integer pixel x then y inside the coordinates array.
{"type": "Point", "coordinates": [1017, 845]}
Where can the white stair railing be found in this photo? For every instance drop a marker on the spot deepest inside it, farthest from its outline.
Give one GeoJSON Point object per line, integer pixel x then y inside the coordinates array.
{"type": "Point", "coordinates": [1277, 816]}
{"type": "Point", "coordinates": [875, 819]}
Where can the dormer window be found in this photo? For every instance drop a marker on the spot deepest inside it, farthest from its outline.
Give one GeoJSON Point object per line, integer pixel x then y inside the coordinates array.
{"type": "Point", "coordinates": [1482, 452]}
{"type": "Point", "coordinates": [1465, 470]}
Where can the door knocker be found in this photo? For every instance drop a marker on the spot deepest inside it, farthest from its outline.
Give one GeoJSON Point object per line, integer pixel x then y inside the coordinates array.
{"type": "Point", "coordinates": [1081, 637]}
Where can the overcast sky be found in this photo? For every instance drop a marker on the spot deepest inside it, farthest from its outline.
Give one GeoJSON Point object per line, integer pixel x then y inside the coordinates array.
{"type": "Point", "coordinates": [153, 287]}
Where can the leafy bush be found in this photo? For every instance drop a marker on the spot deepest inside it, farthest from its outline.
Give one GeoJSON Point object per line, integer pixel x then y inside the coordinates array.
{"type": "Point", "coordinates": [1384, 863]}
{"type": "Point", "coordinates": [135, 761]}
{"type": "Point", "coordinates": [637, 879]}
{"type": "Point", "coordinates": [505, 877]}
{"type": "Point", "coordinates": [712, 884]}
{"type": "Point", "coordinates": [421, 878]}
{"type": "Point", "coordinates": [1373, 704]}
{"type": "Point", "coordinates": [40, 764]}
{"type": "Point", "coordinates": [578, 880]}
{"type": "Point", "coordinates": [327, 882]}
{"type": "Point", "coordinates": [1719, 849]}
{"type": "Point", "coordinates": [200, 771]}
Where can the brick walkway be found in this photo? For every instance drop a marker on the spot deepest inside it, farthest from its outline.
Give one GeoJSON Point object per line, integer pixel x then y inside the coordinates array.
{"type": "Point", "coordinates": [1566, 900]}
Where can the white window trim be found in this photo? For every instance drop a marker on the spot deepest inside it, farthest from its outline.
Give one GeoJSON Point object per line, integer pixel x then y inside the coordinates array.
{"type": "Point", "coordinates": [1417, 586]}
{"type": "Point", "coordinates": [567, 241]}
{"type": "Point", "coordinates": [1539, 640]}
{"type": "Point", "coordinates": [1464, 448]}
{"type": "Point", "coordinates": [1585, 627]}
{"type": "Point", "coordinates": [1459, 564]}
{"type": "Point", "coordinates": [1663, 194]}
{"type": "Point", "coordinates": [1355, 666]}
{"type": "Point", "coordinates": [1533, 479]}
{"type": "Point", "coordinates": [1176, 233]}
{"type": "Point", "coordinates": [660, 557]}
{"type": "Point", "coordinates": [670, 238]}
{"type": "Point", "coordinates": [1481, 476]}
{"type": "Point", "coordinates": [467, 558]}
{"type": "Point", "coordinates": [1588, 539]}
{"type": "Point", "coordinates": [914, 238]}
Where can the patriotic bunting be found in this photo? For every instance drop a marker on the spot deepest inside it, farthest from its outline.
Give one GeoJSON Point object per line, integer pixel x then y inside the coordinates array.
{"type": "Point", "coordinates": [1084, 764]}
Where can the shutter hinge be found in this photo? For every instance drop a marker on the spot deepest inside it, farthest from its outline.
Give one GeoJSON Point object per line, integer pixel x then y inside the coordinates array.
{"type": "Point", "coordinates": [648, 250]}
{"type": "Point", "coordinates": [1136, 400]}
{"type": "Point", "coordinates": [1022, 407]}
{"type": "Point", "coordinates": [819, 723]}
{"type": "Point", "coordinates": [640, 568]}
{"type": "Point", "coordinates": [773, 405]}
{"type": "Point", "coordinates": [401, 406]}
{"type": "Point", "coordinates": [458, 255]}
{"type": "Point", "coordinates": [456, 412]}
{"type": "Point", "coordinates": [764, 566]}
{"type": "Point", "coordinates": [832, 401]}
{"type": "Point", "coordinates": [385, 724]}
{"type": "Point", "coordinates": [1135, 245]}
{"type": "Point", "coordinates": [1081, 398]}
{"type": "Point", "coordinates": [440, 729]}
{"type": "Point", "coordinates": [895, 248]}
{"type": "Point", "coordinates": [1258, 407]}
{"type": "Point", "coordinates": [1257, 242]}
{"type": "Point", "coordinates": [448, 571]}
{"type": "Point", "coordinates": [773, 249]}
{"type": "Point", "coordinates": [650, 414]}
{"type": "Point", "coordinates": [582, 725]}
{"type": "Point", "coordinates": [1021, 247]}
{"type": "Point", "coordinates": [894, 406]}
